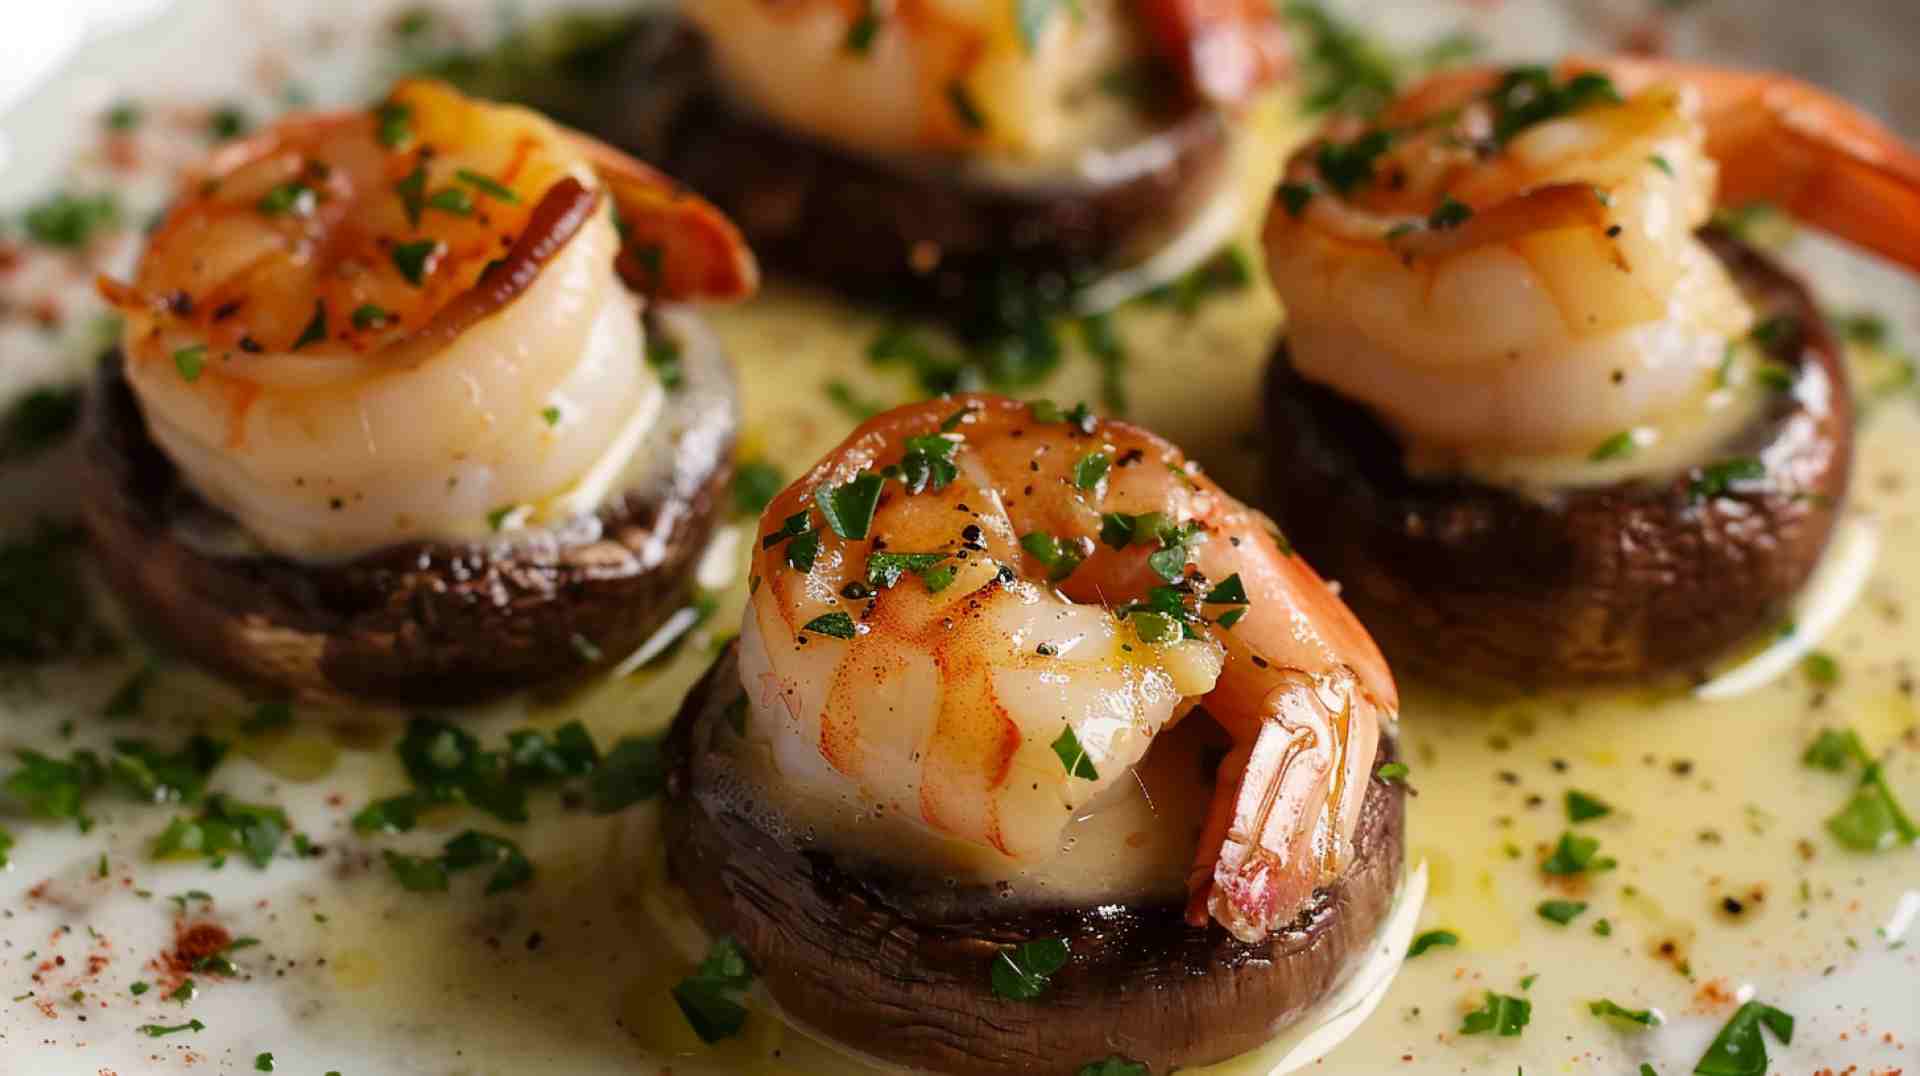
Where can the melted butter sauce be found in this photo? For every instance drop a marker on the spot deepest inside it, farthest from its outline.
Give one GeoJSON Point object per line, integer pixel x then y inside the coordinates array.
{"type": "Point", "coordinates": [1711, 805]}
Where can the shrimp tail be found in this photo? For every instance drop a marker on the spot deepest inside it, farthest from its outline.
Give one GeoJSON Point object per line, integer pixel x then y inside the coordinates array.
{"type": "Point", "coordinates": [1254, 868]}
{"type": "Point", "coordinates": [674, 244]}
{"type": "Point", "coordinates": [1781, 140]}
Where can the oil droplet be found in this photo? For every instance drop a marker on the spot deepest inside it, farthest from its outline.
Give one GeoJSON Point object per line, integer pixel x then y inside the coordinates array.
{"type": "Point", "coordinates": [355, 969]}
{"type": "Point", "coordinates": [293, 756]}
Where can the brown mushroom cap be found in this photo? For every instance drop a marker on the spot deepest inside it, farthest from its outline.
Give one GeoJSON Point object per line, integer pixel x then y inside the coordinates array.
{"type": "Point", "coordinates": [425, 623]}
{"type": "Point", "coordinates": [900, 968]}
{"type": "Point", "coordinates": [1479, 586]}
{"type": "Point", "coordinates": [930, 235]}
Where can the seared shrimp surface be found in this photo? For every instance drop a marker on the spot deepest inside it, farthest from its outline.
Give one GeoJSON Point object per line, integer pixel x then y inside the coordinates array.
{"type": "Point", "coordinates": [359, 328]}
{"type": "Point", "coordinates": [977, 616]}
{"type": "Point", "coordinates": [937, 76]}
{"type": "Point", "coordinates": [1507, 262]}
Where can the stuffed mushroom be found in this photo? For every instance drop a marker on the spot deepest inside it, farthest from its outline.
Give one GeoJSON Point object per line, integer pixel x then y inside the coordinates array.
{"type": "Point", "coordinates": [405, 410]}
{"type": "Point", "coordinates": [1541, 426]}
{"type": "Point", "coordinates": [947, 156]}
{"type": "Point", "coordinates": [1015, 683]}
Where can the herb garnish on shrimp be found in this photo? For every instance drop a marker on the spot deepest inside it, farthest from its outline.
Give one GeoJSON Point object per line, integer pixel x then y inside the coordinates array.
{"type": "Point", "coordinates": [977, 617]}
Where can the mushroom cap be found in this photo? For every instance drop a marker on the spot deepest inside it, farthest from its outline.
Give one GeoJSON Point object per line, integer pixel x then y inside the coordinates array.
{"type": "Point", "coordinates": [1481, 587]}
{"type": "Point", "coordinates": [900, 969]}
{"type": "Point", "coordinates": [423, 623]}
{"type": "Point", "coordinates": [933, 235]}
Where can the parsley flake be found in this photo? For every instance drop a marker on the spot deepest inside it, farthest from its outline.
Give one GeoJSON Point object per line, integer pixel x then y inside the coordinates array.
{"type": "Point", "coordinates": [1501, 1014]}
{"type": "Point", "coordinates": [849, 507]}
{"type": "Point", "coordinates": [1073, 756]}
{"type": "Point", "coordinates": [836, 625]}
{"type": "Point", "coordinates": [711, 997]}
{"type": "Point", "coordinates": [1022, 972]}
{"type": "Point", "coordinates": [1432, 939]}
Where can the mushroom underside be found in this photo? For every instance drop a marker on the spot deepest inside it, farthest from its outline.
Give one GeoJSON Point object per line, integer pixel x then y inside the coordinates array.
{"type": "Point", "coordinates": [899, 969]}
{"type": "Point", "coordinates": [423, 623]}
{"type": "Point", "coordinates": [1482, 587]}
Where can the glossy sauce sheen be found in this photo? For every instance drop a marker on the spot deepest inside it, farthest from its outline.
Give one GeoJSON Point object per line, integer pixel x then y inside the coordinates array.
{"type": "Point", "coordinates": [1713, 810]}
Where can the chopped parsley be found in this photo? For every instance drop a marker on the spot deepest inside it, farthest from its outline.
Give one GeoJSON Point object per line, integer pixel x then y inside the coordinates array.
{"type": "Point", "coordinates": [1114, 1066]}
{"type": "Point", "coordinates": [1619, 446]}
{"type": "Point", "coordinates": [416, 259]}
{"type": "Point", "coordinates": [711, 998]}
{"type": "Point", "coordinates": [472, 848]}
{"type": "Point", "coordinates": [1222, 274]}
{"type": "Point", "coordinates": [1740, 1049]}
{"type": "Point", "coordinates": [1294, 197]}
{"type": "Point", "coordinates": [849, 507]}
{"type": "Point", "coordinates": [664, 356]}
{"type": "Point", "coordinates": [368, 316]}
{"type": "Point", "coordinates": [928, 464]}
{"type": "Point", "coordinates": [836, 625]}
{"type": "Point", "coordinates": [1392, 772]}
{"type": "Point", "coordinates": [964, 107]}
{"type": "Point", "coordinates": [1059, 558]}
{"type": "Point", "coordinates": [633, 771]}
{"type": "Point", "coordinates": [123, 116]}
{"type": "Point", "coordinates": [1091, 470]}
{"type": "Point", "coordinates": [227, 122]}
{"type": "Point", "coordinates": [395, 124]}
{"type": "Point", "coordinates": [550, 415]}
{"type": "Point", "coordinates": [1103, 343]}
{"type": "Point", "coordinates": [1577, 855]}
{"type": "Point", "coordinates": [487, 185]}
{"type": "Point", "coordinates": [1073, 756]}
{"type": "Point", "coordinates": [1561, 911]}
{"type": "Point", "coordinates": [1584, 808]}
{"type": "Point", "coordinates": [1022, 972]}
{"type": "Point", "coordinates": [263, 1062]}
{"type": "Point", "coordinates": [886, 569]}
{"type": "Point", "coordinates": [1347, 166]}
{"type": "Point", "coordinates": [1527, 96]}
{"type": "Point", "coordinates": [803, 542]}
{"type": "Point", "coordinates": [70, 221]}
{"type": "Point", "coordinates": [451, 200]}
{"type": "Point", "coordinates": [1229, 591]}
{"type": "Point", "coordinates": [1716, 479]}
{"type": "Point", "coordinates": [1500, 1014]}
{"type": "Point", "coordinates": [1661, 163]}
{"type": "Point", "coordinates": [1450, 214]}
{"type": "Point", "coordinates": [294, 199]}
{"type": "Point", "coordinates": [189, 361]}
{"type": "Point", "coordinates": [1821, 668]}
{"type": "Point", "coordinates": [225, 825]}
{"type": "Point", "coordinates": [1873, 821]}
{"type": "Point", "coordinates": [316, 329]}
{"type": "Point", "coordinates": [1432, 939]}
{"type": "Point", "coordinates": [1834, 749]}
{"type": "Point", "coordinates": [863, 30]}
{"type": "Point", "coordinates": [755, 484]}
{"type": "Point", "coordinates": [155, 1031]}
{"type": "Point", "coordinates": [1607, 1010]}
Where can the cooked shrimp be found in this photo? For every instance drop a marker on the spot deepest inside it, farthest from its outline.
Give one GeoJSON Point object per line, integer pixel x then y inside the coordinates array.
{"type": "Point", "coordinates": [1508, 263]}
{"type": "Point", "coordinates": [977, 618]}
{"type": "Point", "coordinates": [359, 328]}
{"type": "Point", "coordinates": [918, 76]}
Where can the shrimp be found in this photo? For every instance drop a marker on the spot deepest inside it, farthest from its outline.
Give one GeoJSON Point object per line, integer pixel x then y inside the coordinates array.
{"type": "Point", "coordinates": [359, 328]}
{"type": "Point", "coordinates": [976, 617]}
{"type": "Point", "coordinates": [979, 76]}
{"type": "Point", "coordinates": [1507, 263]}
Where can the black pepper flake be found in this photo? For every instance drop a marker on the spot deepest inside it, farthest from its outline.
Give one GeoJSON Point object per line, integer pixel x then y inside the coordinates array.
{"type": "Point", "coordinates": [251, 346]}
